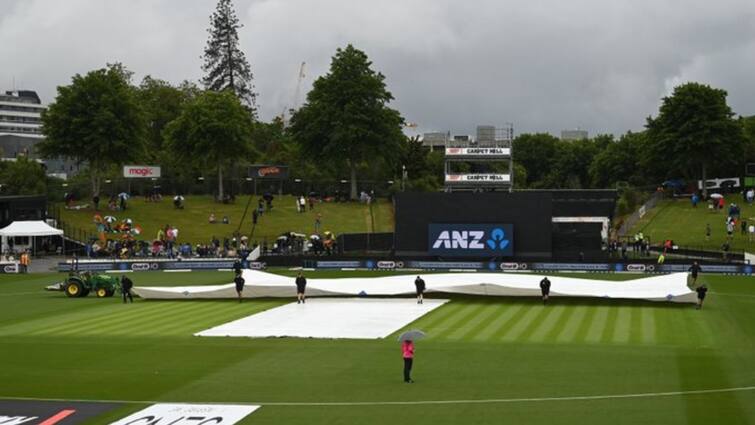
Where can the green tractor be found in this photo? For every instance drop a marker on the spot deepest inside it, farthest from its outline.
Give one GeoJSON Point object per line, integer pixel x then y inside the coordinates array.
{"type": "Point", "coordinates": [80, 284]}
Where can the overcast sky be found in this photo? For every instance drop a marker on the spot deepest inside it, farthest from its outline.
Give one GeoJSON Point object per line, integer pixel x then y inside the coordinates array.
{"type": "Point", "coordinates": [548, 65]}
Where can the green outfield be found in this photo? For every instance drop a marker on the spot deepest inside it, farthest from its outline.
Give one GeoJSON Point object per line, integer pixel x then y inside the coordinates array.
{"type": "Point", "coordinates": [486, 360]}
{"type": "Point", "coordinates": [193, 225]}
{"type": "Point", "coordinates": [678, 221]}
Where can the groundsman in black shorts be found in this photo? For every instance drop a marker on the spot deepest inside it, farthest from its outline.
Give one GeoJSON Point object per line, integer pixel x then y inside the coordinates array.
{"type": "Point", "coordinates": [239, 281]}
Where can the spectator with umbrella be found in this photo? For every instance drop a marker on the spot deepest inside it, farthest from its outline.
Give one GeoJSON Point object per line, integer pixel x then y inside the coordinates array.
{"type": "Point", "coordinates": [407, 351]}
{"type": "Point", "coordinates": [178, 202]}
{"type": "Point", "coordinates": [123, 197]}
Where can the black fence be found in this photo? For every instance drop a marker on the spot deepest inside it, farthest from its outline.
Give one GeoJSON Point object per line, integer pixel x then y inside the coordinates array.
{"type": "Point", "coordinates": [365, 242]}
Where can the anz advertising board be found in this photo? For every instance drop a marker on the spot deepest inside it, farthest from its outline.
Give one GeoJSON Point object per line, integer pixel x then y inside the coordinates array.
{"type": "Point", "coordinates": [471, 240]}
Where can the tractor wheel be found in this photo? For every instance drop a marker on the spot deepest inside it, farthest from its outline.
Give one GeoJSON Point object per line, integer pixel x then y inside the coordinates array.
{"type": "Point", "coordinates": [74, 289]}
{"type": "Point", "coordinates": [101, 292]}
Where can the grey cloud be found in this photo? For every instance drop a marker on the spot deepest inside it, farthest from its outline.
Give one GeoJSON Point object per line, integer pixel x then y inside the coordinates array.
{"type": "Point", "coordinates": [545, 66]}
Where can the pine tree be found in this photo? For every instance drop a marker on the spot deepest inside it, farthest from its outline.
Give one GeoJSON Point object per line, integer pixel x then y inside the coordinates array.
{"type": "Point", "coordinates": [225, 65]}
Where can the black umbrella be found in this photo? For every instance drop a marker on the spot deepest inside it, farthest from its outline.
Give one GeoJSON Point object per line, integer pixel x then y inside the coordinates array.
{"type": "Point", "coordinates": [411, 335]}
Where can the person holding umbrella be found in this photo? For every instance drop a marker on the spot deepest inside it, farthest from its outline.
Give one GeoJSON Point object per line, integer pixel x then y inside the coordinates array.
{"type": "Point", "coordinates": [301, 285]}
{"type": "Point", "coordinates": [407, 351]}
{"type": "Point", "coordinates": [419, 284]}
{"type": "Point", "coordinates": [545, 288]}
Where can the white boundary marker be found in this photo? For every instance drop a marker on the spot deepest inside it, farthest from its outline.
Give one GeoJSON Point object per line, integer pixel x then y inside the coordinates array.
{"type": "Point", "coordinates": [420, 402]}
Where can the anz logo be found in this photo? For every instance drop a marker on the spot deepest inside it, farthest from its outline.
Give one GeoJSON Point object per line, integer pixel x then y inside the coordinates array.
{"type": "Point", "coordinates": [498, 239]}
{"type": "Point", "coordinates": [463, 239]}
{"type": "Point", "coordinates": [471, 239]}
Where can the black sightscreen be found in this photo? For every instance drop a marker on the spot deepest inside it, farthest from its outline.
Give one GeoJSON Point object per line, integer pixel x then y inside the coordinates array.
{"type": "Point", "coordinates": [529, 213]}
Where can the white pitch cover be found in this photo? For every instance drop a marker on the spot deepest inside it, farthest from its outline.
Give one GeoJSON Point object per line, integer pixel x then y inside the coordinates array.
{"type": "Point", "coordinates": [664, 288]}
{"type": "Point", "coordinates": [186, 414]}
{"type": "Point", "coordinates": [361, 318]}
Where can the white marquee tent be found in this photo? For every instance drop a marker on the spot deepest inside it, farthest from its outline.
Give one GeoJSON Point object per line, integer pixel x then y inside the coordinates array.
{"type": "Point", "coordinates": [27, 228]}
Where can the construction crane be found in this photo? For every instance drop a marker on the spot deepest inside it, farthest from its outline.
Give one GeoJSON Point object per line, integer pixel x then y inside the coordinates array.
{"type": "Point", "coordinates": [295, 101]}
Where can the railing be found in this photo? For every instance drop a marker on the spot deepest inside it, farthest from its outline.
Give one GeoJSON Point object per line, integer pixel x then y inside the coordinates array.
{"type": "Point", "coordinates": [630, 221]}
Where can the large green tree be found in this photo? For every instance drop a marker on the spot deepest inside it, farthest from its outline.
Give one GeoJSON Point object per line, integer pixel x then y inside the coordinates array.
{"type": "Point", "coordinates": [694, 131]}
{"type": "Point", "coordinates": [618, 163]}
{"type": "Point", "coordinates": [345, 120]}
{"type": "Point", "coordinates": [23, 176]}
{"type": "Point", "coordinates": [537, 154]}
{"type": "Point", "coordinates": [225, 64]}
{"type": "Point", "coordinates": [96, 120]}
{"type": "Point", "coordinates": [213, 131]}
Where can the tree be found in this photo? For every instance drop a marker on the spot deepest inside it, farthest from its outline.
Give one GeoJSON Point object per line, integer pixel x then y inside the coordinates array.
{"type": "Point", "coordinates": [213, 131]}
{"type": "Point", "coordinates": [225, 65]}
{"type": "Point", "coordinates": [22, 177]}
{"type": "Point", "coordinates": [346, 120]}
{"type": "Point", "coordinates": [96, 120]}
{"type": "Point", "coordinates": [536, 153]}
{"type": "Point", "coordinates": [618, 162]}
{"type": "Point", "coordinates": [162, 103]}
{"type": "Point", "coordinates": [694, 131]}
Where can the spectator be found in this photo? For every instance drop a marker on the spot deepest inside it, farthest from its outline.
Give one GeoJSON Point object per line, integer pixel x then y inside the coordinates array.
{"type": "Point", "coordinates": [226, 220]}
{"type": "Point", "coordinates": [302, 204]}
{"type": "Point", "coordinates": [751, 231]}
{"type": "Point", "coordinates": [695, 199]}
{"type": "Point", "coordinates": [212, 218]}
{"type": "Point", "coordinates": [318, 223]}
{"type": "Point", "coordinates": [255, 217]}
{"type": "Point", "coordinates": [260, 206]}
{"type": "Point", "coordinates": [707, 232]}
{"type": "Point", "coordinates": [96, 202]}
{"type": "Point", "coordinates": [311, 203]}
{"type": "Point", "coordinates": [743, 227]}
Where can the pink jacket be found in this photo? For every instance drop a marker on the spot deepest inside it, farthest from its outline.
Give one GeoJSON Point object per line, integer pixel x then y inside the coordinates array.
{"type": "Point", "coordinates": [407, 348]}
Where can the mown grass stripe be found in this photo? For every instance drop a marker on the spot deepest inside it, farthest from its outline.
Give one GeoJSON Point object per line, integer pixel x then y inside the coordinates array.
{"type": "Point", "coordinates": [647, 320]}
{"type": "Point", "coordinates": [448, 325]}
{"type": "Point", "coordinates": [507, 312]}
{"type": "Point", "coordinates": [436, 316]}
{"type": "Point", "coordinates": [561, 323]}
{"type": "Point", "coordinates": [134, 320]}
{"type": "Point", "coordinates": [527, 320]}
{"type": "Point", "coordinates": [64, 323]}
{"type": "Point", "coordinates": [481, 309]}
{"type": "Point", "coordinates": [177, 318]}
{"type": "Point", "coordinates": [549, 322]}
{"type": "Point", "coordinates": [678, 329]}
{"type": "Point", "coordinates": [41, 324]}
{"type": "Point", "coordinates": [635, 327]}
{"type": "Point", "coordinates": [204, 320]}
{"type": "Point", "coordinates": [613, 314]}
{"type": "Point", "coordinates": [473, 324]}
{"type": "Point", "coordinates": [597, 324]}
{"type": "Point", "coordinates": [622, 325]}
{"type": "Point", "coordinates": [569, 331]}
{"type": "Point", "coordinates": [693, 324]}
